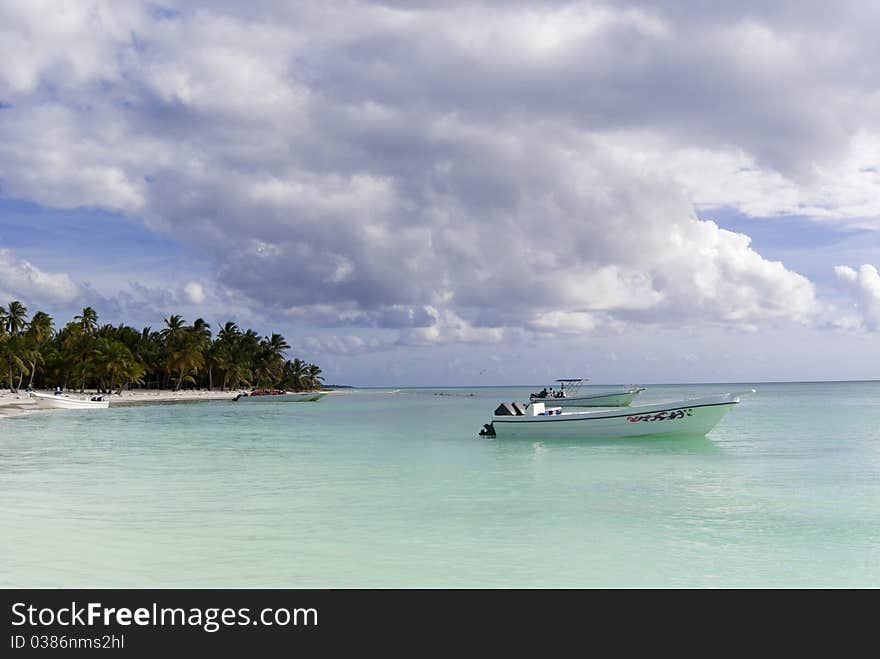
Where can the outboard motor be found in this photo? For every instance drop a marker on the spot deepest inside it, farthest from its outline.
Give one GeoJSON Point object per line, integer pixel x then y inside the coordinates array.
{"type": "Point", "coordinates": [505, 409]}
{"type": "Point", "coordinates": [488, 430]}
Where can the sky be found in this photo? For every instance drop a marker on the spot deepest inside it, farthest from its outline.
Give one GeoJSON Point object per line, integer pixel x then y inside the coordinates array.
{"type": "Point", "coordinates": [457, 193]}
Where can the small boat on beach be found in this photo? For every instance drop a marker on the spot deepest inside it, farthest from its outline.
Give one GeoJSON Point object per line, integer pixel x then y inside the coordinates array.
{"type": "Point", "coordinates": [279, 396]}
{"type": "Point", "coordinates": [569, 395]}
{"type": "Point", "coordinates": [65, 402]}
{"type": "Point", "coordinates": [695, 416]}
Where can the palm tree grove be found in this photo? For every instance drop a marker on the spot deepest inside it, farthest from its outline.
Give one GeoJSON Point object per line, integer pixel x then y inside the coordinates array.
{"type": "Point", "coordinates": [84, 354]}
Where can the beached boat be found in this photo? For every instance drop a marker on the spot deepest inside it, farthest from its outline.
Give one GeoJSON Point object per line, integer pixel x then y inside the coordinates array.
{"type": "Point", "coordinates": [568, 394]}
{"type": "Point", "coordinates": [696, 416]}
{"type": "Point", "coordinates": [65, 402]}
{"type": "Point", "coordinates": [278, 396]}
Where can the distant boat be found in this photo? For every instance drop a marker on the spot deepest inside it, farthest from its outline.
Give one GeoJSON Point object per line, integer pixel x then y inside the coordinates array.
{"type": "Point", "coordinates": [569, 395]}
{"type": "Point", "coordinates": [65, 402]}
{"type": "Point", "coordinates": [696, 416]}
{"type": "Point", "coordinates": [279, 396]}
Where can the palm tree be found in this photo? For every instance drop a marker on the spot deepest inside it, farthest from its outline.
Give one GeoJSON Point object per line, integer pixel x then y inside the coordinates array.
{"type": "Point", "coordinates": [38, 333]}
{"type": "Point", "coordinates": [313, 377]}
{"type": "Point", "coordinates": [114, 361]}
{"type": "Point", "coordinates": [201, 332]}
{"type": "Point", "coordinates": [115, 357]}
{"type": "Point", "coordinates": [277, 345]}
{"type": "Point", "coordinates": [15, 350]}
{"type": "Point", "coordinates": [295, 373]}
{"type": "Point", "coordinates": [88, 320]}
{"type": "Point", "coordinates": [171, 335]}
{"type": "Point", "coordinates": [186, 356]}
{"type": "Point", "coordinates": [243, 358]}
{"type": "Point", "coordinates": [238, 374]}
{"type": "Point", "coordinates": [228, 330]}
{"type": "Point", "coordinates": [147, 348]}
{"type": "Point", "coordinates": [40, 327]}
{"type": "Point", "coordinates": [269, 365]}
{"type": "Point", "coordinates": [224, 347]}
{"type": "Point", "coordinates": [174, 326]}
{"type": "Point", "coordinates": [15, 317]}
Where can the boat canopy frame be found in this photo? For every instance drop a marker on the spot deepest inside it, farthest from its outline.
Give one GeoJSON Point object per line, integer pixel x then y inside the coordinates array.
{"type": "Point", "coordinates": [567, 387]}
{"type": "Point", "coordinates": [571, 385]}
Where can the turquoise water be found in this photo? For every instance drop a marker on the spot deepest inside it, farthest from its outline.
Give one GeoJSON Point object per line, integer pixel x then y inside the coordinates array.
{"type": "Point", "coordinates": [377, 489]}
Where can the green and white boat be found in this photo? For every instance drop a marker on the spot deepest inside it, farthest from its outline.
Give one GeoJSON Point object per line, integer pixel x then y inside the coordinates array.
{"type": "Point", "coordinates": [695, 416]}
{"type": "Point", "coordinates": [279, 396]}
{"type": "Point", "coordinates": [568, 394]}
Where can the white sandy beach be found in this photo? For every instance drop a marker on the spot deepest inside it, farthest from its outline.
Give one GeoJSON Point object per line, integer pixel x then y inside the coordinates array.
{"type": "Point", "coordinates": [13, 404]}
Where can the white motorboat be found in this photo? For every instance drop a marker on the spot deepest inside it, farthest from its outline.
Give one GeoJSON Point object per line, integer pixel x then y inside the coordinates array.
{"type": "Point", "coordinates": [569, 395]}
{"type": "Point", "coordinates": [279, 396]}
{"type": "Point", "coordinates": [65, 402]}
{"type": "Point", "coordinates": [696, 416]}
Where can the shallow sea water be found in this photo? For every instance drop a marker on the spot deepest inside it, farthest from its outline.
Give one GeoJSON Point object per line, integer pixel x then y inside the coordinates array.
{"type": "Point", "coordinates": [378, 489]}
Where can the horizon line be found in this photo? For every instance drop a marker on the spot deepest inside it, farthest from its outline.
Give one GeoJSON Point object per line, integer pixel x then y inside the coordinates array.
{"type": "Point", "coordinates": [601, 384]}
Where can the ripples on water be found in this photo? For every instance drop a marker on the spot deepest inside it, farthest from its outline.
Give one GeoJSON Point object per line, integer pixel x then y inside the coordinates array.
{"type": "Point", "coordinates": [382, 489]}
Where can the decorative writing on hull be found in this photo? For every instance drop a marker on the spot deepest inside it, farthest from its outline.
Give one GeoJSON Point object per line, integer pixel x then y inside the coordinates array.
{"type": "Point", "coordinates": [662, 416]}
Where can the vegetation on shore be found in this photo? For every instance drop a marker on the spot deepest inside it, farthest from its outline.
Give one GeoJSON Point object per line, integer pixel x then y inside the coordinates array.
{"type": "Point", "coordinates": [83, 354]}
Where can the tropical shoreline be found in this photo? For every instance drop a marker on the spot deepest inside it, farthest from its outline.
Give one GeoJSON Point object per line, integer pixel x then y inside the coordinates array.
{"type": "Point", "coordinates": [14, 404]}
{"type": "Point", "coordinates": [185, 362]}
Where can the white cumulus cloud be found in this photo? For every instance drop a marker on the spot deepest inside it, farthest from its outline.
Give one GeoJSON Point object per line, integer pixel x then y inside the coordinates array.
{"type": "Point", "coordinates": [194, 292]}
{"type": "Point", "coordinates": [22, 280]}
{"type": "Point", "coordinates": [863, 285]}
{"type": "Point", "coordinates": [454, 171]}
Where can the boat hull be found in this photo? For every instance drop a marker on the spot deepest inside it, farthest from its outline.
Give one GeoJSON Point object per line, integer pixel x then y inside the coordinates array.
{"type": "Point", "coordinates": [47, 402]}
{"type": "Point", "coordinates": [307, 397]}
{"type": "Point", "coordinates": [611, 399]}
{"type": "Point", "coordinates": [677, 418]}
